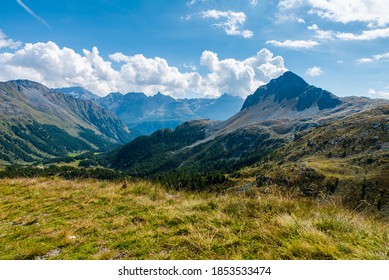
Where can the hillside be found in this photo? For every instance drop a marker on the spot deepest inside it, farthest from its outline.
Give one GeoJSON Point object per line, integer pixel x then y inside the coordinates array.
{"type": "Point", "coordinates": [345, 159]}
{"type": "Point", "coordinates": [37, 123]}
{"type": "Point", "coordinates": [269, 118]}
{"type": "Point", "coordinates": [78, 92]}
{"type": "Point", "coordinates": [288, 104]}
{"type": "Point", "coordinates": [88, 219]}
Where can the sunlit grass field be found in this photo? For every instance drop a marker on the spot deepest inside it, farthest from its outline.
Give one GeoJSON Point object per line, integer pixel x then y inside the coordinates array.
{"type": "Point", "coordinates": [52, 218]}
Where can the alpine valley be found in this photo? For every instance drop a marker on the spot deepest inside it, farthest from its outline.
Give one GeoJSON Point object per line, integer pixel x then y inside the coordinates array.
{"type": "Point", "coordinates": [292, 170]}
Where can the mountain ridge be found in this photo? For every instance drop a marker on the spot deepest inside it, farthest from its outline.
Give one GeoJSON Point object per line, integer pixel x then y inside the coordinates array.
{"type": "Point", "coordinates": [147, 114]}
{"type": "Point", "coordinates": [259, 128]}
{"type": "Point", "coordinates": [32, 116]}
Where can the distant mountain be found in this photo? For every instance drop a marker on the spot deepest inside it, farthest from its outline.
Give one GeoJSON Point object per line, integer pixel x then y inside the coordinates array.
{"type": "Point", "coordinates": [269, 118]}
{"type": "Point", "coordinates": [218, 109]}
{"type": "Point", "coordinates": [37, 122]}
{"type": "Point", "coordinates": [147, 114]}
{"type": "Point", "coordinates": [78, 92]}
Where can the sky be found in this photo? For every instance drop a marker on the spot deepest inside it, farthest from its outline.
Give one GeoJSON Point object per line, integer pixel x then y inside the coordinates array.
{"type": "Point", "coordinates": [196, 48]}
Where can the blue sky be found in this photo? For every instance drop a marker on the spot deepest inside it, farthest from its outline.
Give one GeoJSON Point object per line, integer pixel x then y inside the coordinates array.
{"type": "Point", "coordinates": [196, 47]}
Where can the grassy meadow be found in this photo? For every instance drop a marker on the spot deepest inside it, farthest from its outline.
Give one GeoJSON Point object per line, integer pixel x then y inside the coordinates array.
{"type": "Point", "coordinates": [53, 218]}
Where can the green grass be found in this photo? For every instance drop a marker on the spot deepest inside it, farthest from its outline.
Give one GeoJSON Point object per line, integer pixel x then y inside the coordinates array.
{"type": "Point", "coordinates": [58, 219]}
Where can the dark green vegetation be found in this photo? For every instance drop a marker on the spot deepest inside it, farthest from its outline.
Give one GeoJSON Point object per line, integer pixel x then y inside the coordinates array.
{"type": "Point", "coordinates": [37, 123]}
{"type": "Point", "coordinates": [65, 172]}
{"type": "Point", "coordinates": [167, 150]}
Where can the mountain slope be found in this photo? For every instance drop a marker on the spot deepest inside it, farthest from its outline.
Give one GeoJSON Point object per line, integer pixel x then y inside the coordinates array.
{"type": "Point", "coordinates": [78, 92]}
{"type": "Point", "coordinates": [347, 158]}
{"type": "Point", "coordinates": [269, 118]}
{"type": "Point", "coordinates": [288, 104]}
{"type": "Point", "coordinates": [37, 122]}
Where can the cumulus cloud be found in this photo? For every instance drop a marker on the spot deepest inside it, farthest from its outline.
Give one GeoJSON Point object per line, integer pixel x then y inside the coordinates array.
{"type": "Point", "coordinates": [314, 71]}
{"type": "Point", "coordinates": [231, 22]}
{"type": "Point", "coordinates": [296, 44]}
{"type": "Point", "coordinates": [5, 42]}
{"type": "Point", "coordinates": [53, 66]}
{"type": "Point", "coordinates": [377, 57]}
{"type": "Point", "coordinates": [232, 76]}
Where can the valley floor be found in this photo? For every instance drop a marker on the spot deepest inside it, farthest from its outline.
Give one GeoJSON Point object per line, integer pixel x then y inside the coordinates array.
{"type": "Point", "coordinates": [52, 218]}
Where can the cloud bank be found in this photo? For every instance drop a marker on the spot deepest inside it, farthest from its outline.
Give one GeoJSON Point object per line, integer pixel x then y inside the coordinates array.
{"type": "Point", "coordinates": [53, 66]}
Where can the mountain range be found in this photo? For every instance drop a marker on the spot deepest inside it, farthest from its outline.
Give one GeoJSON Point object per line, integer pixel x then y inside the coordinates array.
{"type": "Point", "coordinates": [145, 114]}
{"type": "Point", "coordinates": [37, 122]}
{"type": "Point", "coordinates": [269, 118]}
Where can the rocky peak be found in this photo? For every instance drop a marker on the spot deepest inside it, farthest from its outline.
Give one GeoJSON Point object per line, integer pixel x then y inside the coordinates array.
{"type": "Point", "coordinates": [293, 89]}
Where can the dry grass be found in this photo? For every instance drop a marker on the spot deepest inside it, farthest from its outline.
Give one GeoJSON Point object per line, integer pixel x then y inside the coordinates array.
{"type": "Point", "coordinates": [58, 219]}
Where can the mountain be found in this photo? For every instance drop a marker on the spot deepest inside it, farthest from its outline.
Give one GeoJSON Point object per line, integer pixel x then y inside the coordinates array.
{"type": "Point", "coordinates": [345, 159]}
{"type": "Point", "coordinates": [78, 92]}
{"type": "Point", "coordinates": [37, 123]}
{"type": "Point", "coordinates": [288, 104]}
{"type": "Point", "coordinates": [269, 119]}
{"type": "Point", "coordinates": [219, 109]}
{"type": "Point", "coordinates": [147, 114]}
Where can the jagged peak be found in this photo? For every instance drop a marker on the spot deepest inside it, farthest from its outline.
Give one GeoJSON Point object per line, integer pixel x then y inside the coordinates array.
{"type": "Point", "coordinates": [291, 87]}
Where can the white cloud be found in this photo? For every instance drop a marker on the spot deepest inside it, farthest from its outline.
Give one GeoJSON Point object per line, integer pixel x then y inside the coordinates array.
{"type": "Point", "coordinates": [321, 34]}
{"type": "Point", "coordinates": [379, 93]}
{"type": "Point", "coordinates": [366, 35]}
{"type": "Point", "coordinates": [314, 71]}
{"type": "Point", "coordinates": [372, 12]}
{"type": "Point", "coordinates": [297, 44]}
{"type": "Point", "coordinates": [231, 22]}
{"type": "Point", "coordinates": [232, 76]}
{"type": "Point", "coordinates": [289, 4]}
{"type": "Point", "coordinates": [313, 27]}
{"type": "Point", "coordinates": [5, 42]}
{"type": "Point", "coordinates": [365, 60]}
{"type": "Point", "coordinates": [377, 57]}
{"type": "Point", "coordinates": [300, 20]}
{"type": "Point", "coordinates": [53, 66]}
